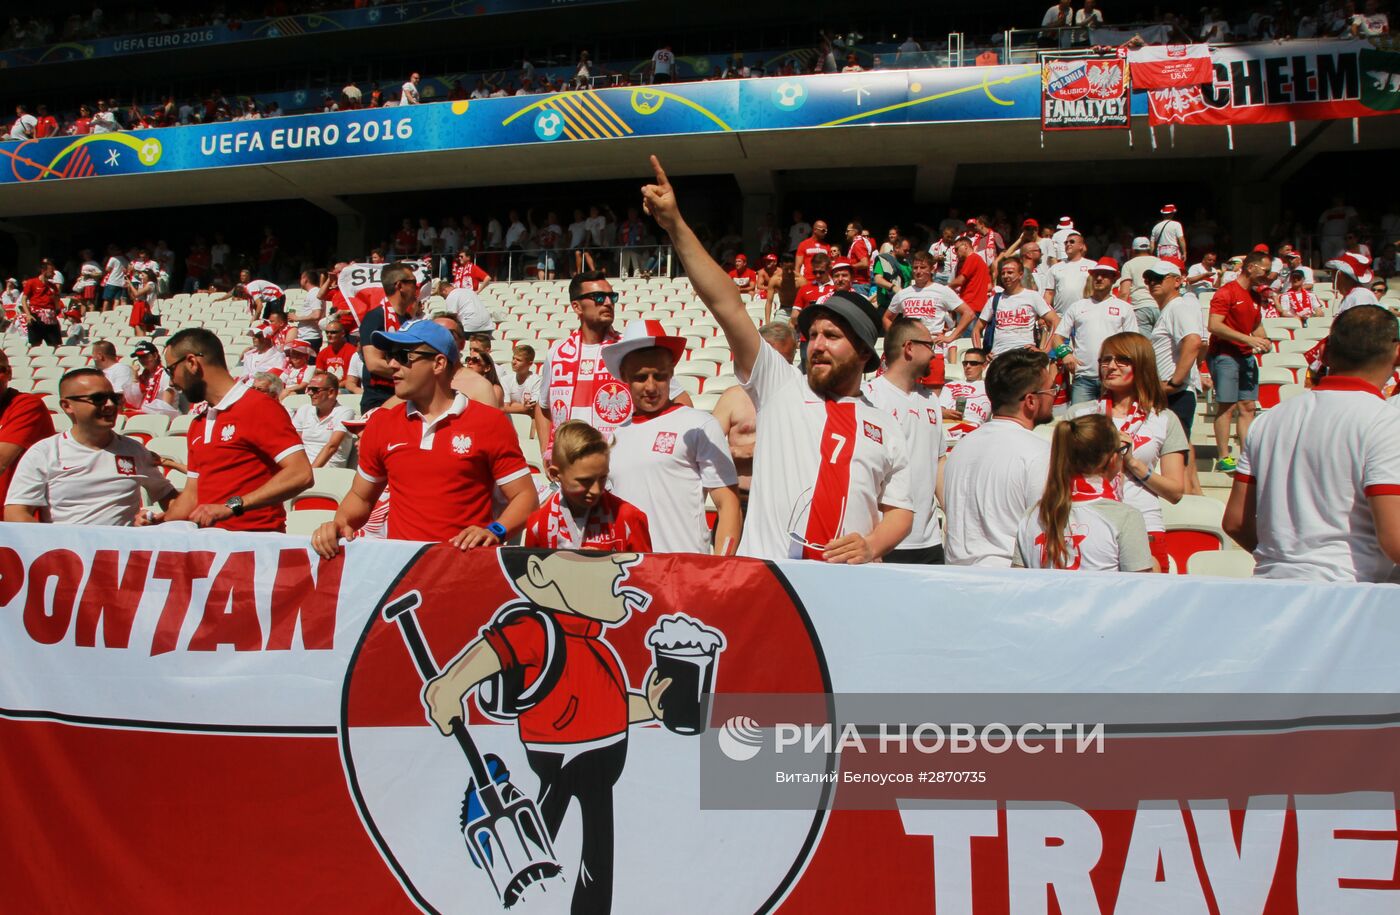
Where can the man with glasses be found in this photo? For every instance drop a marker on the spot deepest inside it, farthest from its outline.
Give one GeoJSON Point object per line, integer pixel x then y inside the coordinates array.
{"type": "Point", "coordinates": [1176, 339]}
{"type": "Point", "coordinates": [400, 307]}
{"type": "Point", "coordinates": [966, 401]}
{"type": "Point", "coordinates": [440, 455]}
{"type": "Point", "coordinates": [152, 392]}
{"type": "Point", "coordinates": [24, 420]}
{"type": "Point", "coordinates": [89, 474]}
{"type": "Point", "coordinates": [335, 357]}
{"type": "Point", "coordinates": [321, 423]}
{"type": "Point", "coordinates": [1316, 495]}
{"type": "Point", "coordinates": [909, 351]}
{"type": "Point", "coordinates": [574, 381]}
{"type": "Point", "coordinates": [1089, 322]}
{"type": "Point", "coordinates": [245, 458]}
{"type": "Point", "coordinates": [997, 472]}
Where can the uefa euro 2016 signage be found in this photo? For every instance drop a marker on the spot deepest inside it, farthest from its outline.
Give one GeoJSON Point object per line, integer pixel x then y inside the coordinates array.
{"type": "Point", "coordinates": [1084, 93]}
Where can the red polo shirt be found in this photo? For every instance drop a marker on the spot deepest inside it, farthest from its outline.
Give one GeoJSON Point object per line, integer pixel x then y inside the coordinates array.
{"type": "Point", "coordinates": [1242, 313]}
{"type": "Point", "coordinates": [440, 474]}
{"type": "Point", "coordinates": [42, 296]}
{"type": "Point", "coordinates": [235, 447]}
{"type": "Point", "coordinates": [977, 283]}
{"type": "Point", "coordinates": [24, 420]}
{"type": "Point", "coordinates": [807, 249]}
{"type": "Point", "coordinates": [337, 362]}
{"type": "Point", "coordinates": [589, 703]}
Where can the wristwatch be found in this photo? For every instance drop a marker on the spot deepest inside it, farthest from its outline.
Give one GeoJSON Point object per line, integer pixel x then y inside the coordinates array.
{"type": "Point", "coordinates": [235, 505]}
{"type": "Point", "coordinates": [498, 529]}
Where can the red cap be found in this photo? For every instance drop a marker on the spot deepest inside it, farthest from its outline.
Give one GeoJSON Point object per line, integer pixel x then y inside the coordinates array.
{"type": "Point", "coordinates": [1030, 224]}
{"type": "Point", "coordinates": [840, 265]}
{"type": "Point", "coordinates": [1169, 209]}
{"type": "Point", "coordinates": [1105, 265]}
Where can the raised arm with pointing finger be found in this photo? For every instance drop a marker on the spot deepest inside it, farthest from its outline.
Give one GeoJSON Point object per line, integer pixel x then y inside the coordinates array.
{"type": "Point", "coordinates": [710, 280]}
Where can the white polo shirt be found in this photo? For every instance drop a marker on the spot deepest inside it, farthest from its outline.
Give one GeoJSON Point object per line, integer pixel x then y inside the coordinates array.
{"type": "Point", "coordinates": [1068, 280]}
{"type": "Point", "coordinates": [788, 452]}
{"type": "Point", "coordinates": [1314, 462]}
{"type": "Point", "coordinates": [920, 418]}
{"type": "Point", "coordinates": [935, 305]}
{"type": "Point", "coordinates": [662, 463]}
{"type": "Point", "coordinates": [82, 485]}
{"type": "Point", "coordinates": [1015, 319]}
{"type": "Point", "coordinates": [316, 432]}
{"type": "Point", "coordinates": [990, 481]}
{"type": "Point", "coordinates": [1086, 324]}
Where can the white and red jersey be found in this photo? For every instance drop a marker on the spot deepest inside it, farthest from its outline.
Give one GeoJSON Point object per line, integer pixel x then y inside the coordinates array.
{"type": "Point", "coordinates": [140, 266]}
{"type": "Point", "coordinates": [813, 293]}
{"type": "Point", "coordinates": [805, 251]}
{"type": "Point", "coordinates": [861, 248]}
{"type": "Point", "coordinates": [82, 485]}
{"type": "Point", "coordinates": [822, 468]}
{"type": "Point", "coordinates": [1102, 534]}
{"type": "Point", "coordinates": [337, 362]}
{"type": "Point", "coordinates": [1016, 316]}
{"type": "Point", "coordinates": [948, 268]}
{"type": "Point", "coordinates": [1315, 461]}
{"type": "Point", "coordinates": [115, 272]}
{"type": "Point", "coordinates": [990, 481]}
{"type": "Point", "coordinates": [935, 305]}
{"type": "Point", "coordinates": [1154, 435]}
{"type": "Point", "coordinates": [1392, 385]}
{"type": "Point", "coordinates": [1086, 324]}
{"type": "Point", "coordinates": [1299, 303]}
{"type": "Point", "coordinates": [1169, 239]}
{"type": "Point", "coordinates": [468, 276]}
{"type": "Point", "coordinates": [575, 384]}
{"type": "Point", "coordinates": [272, 360]}
{"type": "Point", "coordinates": [235, 447]}
{"type": "Point", "coordinates": [292, 376]}
{"type": "Point", "coordinates": [920, 418]}
{"type": "Point", "coordinates": [316, 432]}
{"type": "Point", "coordinates": [440, 474]}
{"type": "Point", "coordinates": [88, 275]}
{"type": "Point", "coordinates": [988, 246]}
{"type": "Point", "coordinates": [743, 279]}
{"type": "Point", "coordinates": [262, 292]}
{"type": "Point", "coordinates": [968, 398]}
{"type": "Point", "coordinates": [147, 389]}
{"type": "Point", "coordinates": [1359, 295]}
{"type": "Point", "coordinates": [612, 525]}
{"type": "Point", "coordinates": [662, 463]}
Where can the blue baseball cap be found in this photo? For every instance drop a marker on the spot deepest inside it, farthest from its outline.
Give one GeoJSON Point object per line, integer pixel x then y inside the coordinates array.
{"type": "Point", "coordinates": [425, 331]}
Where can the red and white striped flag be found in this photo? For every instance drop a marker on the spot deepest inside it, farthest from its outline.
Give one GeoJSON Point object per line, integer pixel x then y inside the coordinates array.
{"type": "Point", "coordinates": [1173, 66]}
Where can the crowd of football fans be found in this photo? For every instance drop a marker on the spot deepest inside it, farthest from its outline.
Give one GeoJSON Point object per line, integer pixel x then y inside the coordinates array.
{"type": "Point", "coordinates": [888, 392]}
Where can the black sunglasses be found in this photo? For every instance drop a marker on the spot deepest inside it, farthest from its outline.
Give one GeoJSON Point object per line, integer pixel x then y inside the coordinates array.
{"type": "Point", "coordinates": [405, 356]}
{"type": "Point", "coordinates": [599, 298]}
{"type": "Point", "coordinates": [98, 400]}
{"type": "Point", "coordinates": [973, 363]}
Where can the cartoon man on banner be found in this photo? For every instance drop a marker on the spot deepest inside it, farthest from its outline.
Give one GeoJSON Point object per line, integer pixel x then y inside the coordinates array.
{"type": "Point", "coordinates": [544, 661]}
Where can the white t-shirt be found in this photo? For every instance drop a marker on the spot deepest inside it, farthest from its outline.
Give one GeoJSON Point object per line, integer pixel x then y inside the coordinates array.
{"type": "Point", "coordinates": [82, 485]}
{"type": "Point", "coordinates": [1180, 319]}
{"type": "Point", "coordinates": [450, 240]}
{"type": "Point", "coordinates": [526, 391]}
{"type": "Point", "coordinates": [408, 95]}
{"type": "Point", "coordinates": [316, 432]}
{"type": "Point", "coordinates": [577, 231]}
{"type": "Point", "coordinates": [1314, 461]}
{"type": "Point", "coordinates": [1068, 279]}
{"type": "Point", "coordinates": [24, 126]}
{"type": "Point", "coordinates": [594, 226]}
{"type": "Point", "coordinates": [1154, 434]}
{"type": "Point", "coordinates": [274, 360]}
{"type": "Point", "coordinates": [1016, 319]}
{"type": "Point", "coordinates": [662, 61]}
{"type": "Point", "coordinates": [935, 305]}
{"type": "Point", "coordinates": [293, 376]}
{"type": "Point", "coordinates": [1102, 536]}
{"type": "Point", "coordinates": [968, 398]}
{"type": "Point", "coordinates": [1208, 285]}
{"type": "Point", "coordinates": [262, 291]}
{"type": "Point", "coordinates": [310, 329]}
{"type": "Point", "coordinates": [990, 481]}
{"type": "Point", "coordinates": [1360, 295]}
{"type": "Point", "coordinates": [792, 421]}
{"type": "Point", "coordinates": [663, 464]}
{"type": "Point", "coordinates": [1169, 239]}
{"type": "Point", "coordinates": [1057, 242]}
{"type": "Point", "coordinates": [468, 308]}
{"type": "Point", "coordinates": [920, 418]}
{"type": "Point", "coordinates": [116, 272]}
{"type": "Point", "coordinates": [120, 375]}
{"type": "Point", "coordinates": [1086, 324]}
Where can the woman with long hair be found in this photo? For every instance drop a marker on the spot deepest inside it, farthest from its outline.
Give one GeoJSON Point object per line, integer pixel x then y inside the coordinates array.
{"type": "Point", "coordinates": [1134, 398]}
{"type": "Point", "coordinates": [1080, 524]}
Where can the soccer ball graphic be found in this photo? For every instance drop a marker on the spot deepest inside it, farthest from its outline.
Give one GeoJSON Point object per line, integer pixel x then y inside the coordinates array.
{"type": "Point", "coordinates": [549, 125]}
{"type": "Point", "coordinates": [149, 153]}
{"type": "Point", "coordinates": [789, 96]}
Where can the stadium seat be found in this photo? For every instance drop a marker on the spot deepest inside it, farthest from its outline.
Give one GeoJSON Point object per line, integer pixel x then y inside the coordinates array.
{"type": "Point", "coordinates": [171, 446]}
{"type": "Point", "coordinates": [1314, 331]}
{"type": "Point", "coordinates": [1290, 391]}
{"type": "Point", "coordinates": [336, 480]}
{"type": "Point", "coordinates": [1293, 362]}
{"type": "Point", "coordinates": [1221, 564]}
{"type": "Point", "coordinates": [720, 383]}
{"type": "Point", "coordinates": [1271, 380]}
{"type": "Point", "coordinates": [51, 401]}
{"type": "Point", "coordinates": [145, 426]}
{"type": "Point", "coordinates": [1193, 525]}
{"type": "Point", "coordinates": [706, 400]}
{"type": "Point", "coordinates": [688, 383]}
{"type": "Point", "coordinates": [44, 386]}
{"type": "Point", "coordinates": [699, 368]}
{"type": "Point", "coordinates": [179, 425]}
{"type": "Point", "coordinates": [296, 401]}
{"type": "Point", "coordinates": [304, 523]}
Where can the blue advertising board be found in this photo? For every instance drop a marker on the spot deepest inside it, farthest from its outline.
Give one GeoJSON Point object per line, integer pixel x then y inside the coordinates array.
{"type": "Point", "coordinates": [885, 97]}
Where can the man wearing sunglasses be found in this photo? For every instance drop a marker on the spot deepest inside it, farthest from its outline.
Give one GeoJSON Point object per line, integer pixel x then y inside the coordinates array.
{"type": "Point", "coordinates": [574, 381]}
{"type": "Point", "coordinates": [400, 306]}
{"type": "Point", "coordinates": [89, 474]}
{"type": "Point", "coordinates": [440, 455]}
{"type": "Point", "coordinates": [966, 401]}
{"type": "Point", "coordinates": [321, 423]}
{"type": "Point", "coordinates": [831, 475]}
{"type": "Point", "coordinates": [245, 458]}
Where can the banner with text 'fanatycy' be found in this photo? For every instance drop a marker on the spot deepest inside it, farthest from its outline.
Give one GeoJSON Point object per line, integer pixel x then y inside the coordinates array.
{"type": "Point", "coordinates": [1084, 93]}
{"type": "Point", "coordinates": [224, 722]}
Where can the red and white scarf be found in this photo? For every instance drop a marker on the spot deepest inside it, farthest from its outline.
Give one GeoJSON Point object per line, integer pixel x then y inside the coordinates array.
{"type": "Point", "coordinates": [1094, 488]}
{"type": "Point", "coordinates": [152, 387]}
{"type": "Point", "coordinates": [576, 384]}
{"type": "Point", "coordinates": [1299, 302]}
{"type": "Point", "coordinates": [1129, 424]}
{"type": "Point", "coordinates": [599, 529]}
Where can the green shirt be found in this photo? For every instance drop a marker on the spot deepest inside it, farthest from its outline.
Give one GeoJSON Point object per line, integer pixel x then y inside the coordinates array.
{"type": "Point", "coordinates": [881, 268]}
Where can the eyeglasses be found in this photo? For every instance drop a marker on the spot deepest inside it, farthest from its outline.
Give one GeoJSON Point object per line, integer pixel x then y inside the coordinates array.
{"type": "Point", "coordinates": [1052, 390]}
{"type": "Point", "coordinates": [98, 400]}
{"type": "Point", "coordinates": [973, 363]}
{"type": "Point", "coordinates": [1125, 449]}
{"type": "Point", "coordinates": [405, 356]}
{"type": "Point", "coordinates": [599, 298]}
{"type": "Point", "coordinates": [317, 389]}
{"type": "Point", "coordinates": [1116, 360]}
{"type": "Point", "coordinates": [928, 343]}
